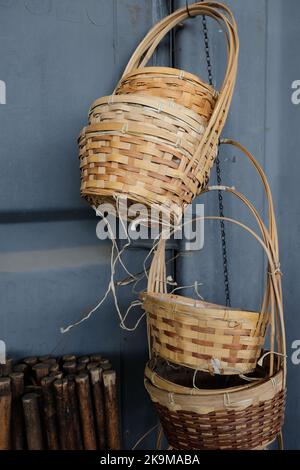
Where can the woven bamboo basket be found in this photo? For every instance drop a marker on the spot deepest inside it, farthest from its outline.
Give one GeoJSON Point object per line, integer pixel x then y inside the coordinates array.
{"type": "Point", "coordinates": [222, 413]}
{"type": "Point", "coordinates": [154, 149]}
{"type": "Point", "coordinates": [209, 337]}
{"type": "Point", "coordinates": [241, 418]}
{"type": "Point", "coordinates": [204, 336]}
{"type": "Point", "coordinates": [136, 146]}
{"type": "Point", "coordinates": [199, 334]}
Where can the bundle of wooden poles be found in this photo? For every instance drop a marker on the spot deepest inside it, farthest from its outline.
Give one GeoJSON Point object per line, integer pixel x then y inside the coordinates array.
{"type": "Point", "coordinates": [59, 403]}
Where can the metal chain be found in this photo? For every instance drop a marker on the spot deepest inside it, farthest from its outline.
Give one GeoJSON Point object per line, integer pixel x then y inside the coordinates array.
{"type": "Point", "coordinates": [219, 175]}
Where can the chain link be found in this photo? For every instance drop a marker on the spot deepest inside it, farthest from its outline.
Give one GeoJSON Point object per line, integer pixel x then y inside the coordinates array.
{"type": "Point", "coordinates": [219, 176]}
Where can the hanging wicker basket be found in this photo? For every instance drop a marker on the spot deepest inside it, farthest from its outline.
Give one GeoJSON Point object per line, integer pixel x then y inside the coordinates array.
{"type": "Point", "coordinates": [204, 336]}
{"type": "Point", "coordinates": [209, 337]}
{"type": "Point", "coordinates": [200, 335]}
{"type": "Point", "coordinates": [139, 146]}
{"type": "Point", "coordinates": [157, 150]}
{"type": "Point", "coordinates": [238, 418]}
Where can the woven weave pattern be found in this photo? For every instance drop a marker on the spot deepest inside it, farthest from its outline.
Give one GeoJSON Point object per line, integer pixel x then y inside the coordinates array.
{"type": "Point", "coordinates": [255, 427]}
{"type": "Point", "coordinates": [176, 85]}
{"type": "Point", "coordinates": [241, 417]}
{"type": "Point", "coordinates": [203, 336]}
{"type": "Point", "coordinates": [158, 150]}
{"type": "Point", "coordinates": [140, 147]}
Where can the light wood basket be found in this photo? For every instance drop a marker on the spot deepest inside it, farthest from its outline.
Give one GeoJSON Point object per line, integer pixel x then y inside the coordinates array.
{"type": "Point", "coordinates": [139, 146]}
{"type": "Point", "coordinates": [158, 150]}
{"type": "Point", "coordinates": [204, 336]}
{"type": "Point", "coordinates": [241, 418]}
{"type": "Point", "coordinates": [209, 337]}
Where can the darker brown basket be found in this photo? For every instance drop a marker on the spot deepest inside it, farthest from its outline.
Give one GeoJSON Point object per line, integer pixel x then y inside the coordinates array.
{"type": "Point", "coordinates": [245, 417]}
{"type": "Point", "coordinates": [250, 429]}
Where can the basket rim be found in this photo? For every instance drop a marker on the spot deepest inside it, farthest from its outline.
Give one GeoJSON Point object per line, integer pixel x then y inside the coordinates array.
{"type": "Point", "coordinates": [160, 382]}
{"type": "Point", "coordinates": [172, 71]}
{"type": "Point", "coordinates": [201, 305]}
{"type": "Point", "coordinates": [209, 402]}
{"type": "Point", "coordinates": [162, 105]}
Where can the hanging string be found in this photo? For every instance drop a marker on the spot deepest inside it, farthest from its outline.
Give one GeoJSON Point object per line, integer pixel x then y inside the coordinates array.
{"type": "Point", "coordinates": [114, 259]}
{"type": "Point", "coordinates": [141, 439]}
{"type": "Point", "coordinates": [141, 275]}
{"type": "Point", "coordinates": [194, 286]}
{"type": "Point", "coordinates": [119, 214]}
{"type": "Point", "coordinates": [111, 286]}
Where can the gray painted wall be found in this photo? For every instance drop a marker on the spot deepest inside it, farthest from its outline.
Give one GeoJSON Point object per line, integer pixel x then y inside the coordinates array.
{"type": "Point", "coordinates": [57, 56]}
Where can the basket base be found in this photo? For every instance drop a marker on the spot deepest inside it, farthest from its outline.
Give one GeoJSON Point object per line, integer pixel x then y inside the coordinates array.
{"type": "Point", "coordinates": [253, 428]}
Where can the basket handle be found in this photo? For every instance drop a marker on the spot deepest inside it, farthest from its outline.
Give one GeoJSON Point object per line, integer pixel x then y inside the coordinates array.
{"type": "Point", "coordinates": [157, 274]}
{"type": "Point", "coordinates": [144, 51]}
{"type": "Point", "coordinates": [262, 175]}
{"type": "Point", "coordinates": [147, 47]}
{"type": "Point", "coordinates": [268, 297]}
